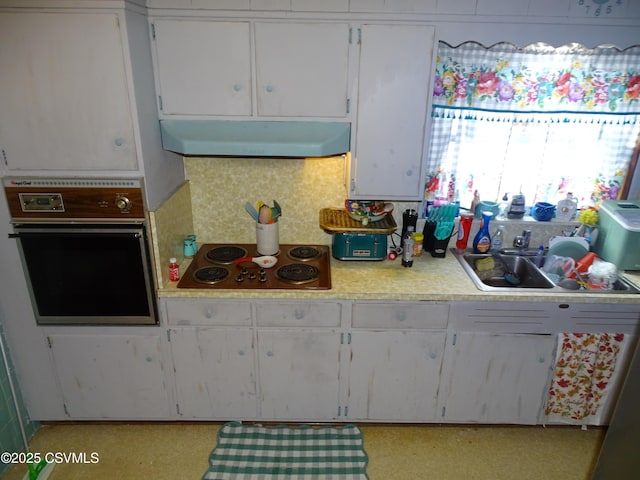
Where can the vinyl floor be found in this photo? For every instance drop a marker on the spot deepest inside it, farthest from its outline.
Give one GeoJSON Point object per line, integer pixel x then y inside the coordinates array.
{"type": "Point", "coordinates": [170, 451]}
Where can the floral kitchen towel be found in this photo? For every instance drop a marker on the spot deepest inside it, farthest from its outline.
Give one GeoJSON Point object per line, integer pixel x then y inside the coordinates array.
{"type": "Point", "coordinates": [584, 372]}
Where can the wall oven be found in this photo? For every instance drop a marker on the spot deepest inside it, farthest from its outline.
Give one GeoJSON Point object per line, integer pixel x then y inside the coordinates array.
{"type": "Point", "coordinates": [85, 250]}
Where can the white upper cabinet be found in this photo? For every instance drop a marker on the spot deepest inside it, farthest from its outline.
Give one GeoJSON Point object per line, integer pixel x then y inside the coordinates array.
{"type": "Point", "coordinates": [65, 96]}
{"type": "Point", "coordinates": [206, 68]}
{"type": "Point", "coordinates": [203, 67]}
{"type": "Point", "coordinates": [302, 69]}
{"type": "Point", "coordinates": [394, 95]}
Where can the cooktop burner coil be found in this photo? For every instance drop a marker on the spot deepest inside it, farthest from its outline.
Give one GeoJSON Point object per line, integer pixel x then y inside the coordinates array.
{"type": "Point", "coordinates": [211, 275]}
{"type": "Point", "coordinates": [298, 273]}
{"type": "Point", "coordinates": [226, 254]}
{"type": "Point", "coordinates": [303, 253]}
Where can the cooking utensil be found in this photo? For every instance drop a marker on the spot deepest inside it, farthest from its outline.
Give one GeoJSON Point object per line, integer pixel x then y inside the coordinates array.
{"type": "Point", "coordinates": [510, 276]}
{"type": "Point", "coordinates": [276, 211]}
{"type": "Point", "coordinates": [264, 214]}
{"type": "Point", "coordinates": [265, 261]}
{"type": "Point", "coordinates": [251, 211]}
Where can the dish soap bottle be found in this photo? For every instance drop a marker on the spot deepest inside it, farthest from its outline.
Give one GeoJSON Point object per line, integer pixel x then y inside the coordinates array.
{"type": "Point", "coordinates": [482, 240]}
{"type": "Point", "coordinates": [567, 208]}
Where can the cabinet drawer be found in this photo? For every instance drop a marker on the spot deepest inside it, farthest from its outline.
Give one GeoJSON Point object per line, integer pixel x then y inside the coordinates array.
{"type": "Point", "coordinates": [190, 312]}
{"type": "Point", "coordinates": [298, 314]}
{"type": "Point", "coordinates": [401, 315]}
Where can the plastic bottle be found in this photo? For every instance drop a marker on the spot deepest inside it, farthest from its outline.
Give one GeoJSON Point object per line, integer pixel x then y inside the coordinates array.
{"type": "Point", "coordinates": [174, 270]}
{"type": "Point", "coordinates": [496, 240]}
{"type": "Point", "coordinates": [567, 207]}
{"type": "Point", "coordinates": [464, 229]}
{"type": "Point", "coordinates": [429, 203]}
{"type": "Point", "coordinates": [482, 240]}
{"type": "Point", "coordinates": [539, 256]}
{"type": "Point", "coordinates": [475, 201]}
{"type": "Point", "coordinates": [407, 248]}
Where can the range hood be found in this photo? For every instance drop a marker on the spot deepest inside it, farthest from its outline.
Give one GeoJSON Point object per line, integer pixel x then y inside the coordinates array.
{"type": "Point", "coordinates": [255, 138]}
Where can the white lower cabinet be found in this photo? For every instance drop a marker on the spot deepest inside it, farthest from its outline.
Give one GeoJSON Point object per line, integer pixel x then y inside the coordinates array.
{"type": "Point", "coordinates": [111, 376]}
{"type": "Point", "coordinates": [214, 372]}
{"type": "Point", "coordinates": [299, 356]}
{"type": "Point", "coordinates": [241, 360]}
{"type": "Point", "coordinates": [395, 375]}
{"type": "Point", "coordinates": [397, 349]}
{"type": "Point", "coordinates": [496, 378]}
{"type": "Point", "coordinates": [299, 374]}
{"type": "Point", "coordinates": [333, 361]}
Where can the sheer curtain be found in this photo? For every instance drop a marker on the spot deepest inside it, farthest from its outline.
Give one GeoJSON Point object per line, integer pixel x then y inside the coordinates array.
{"type": "Point", "coordinates": [545, 121]}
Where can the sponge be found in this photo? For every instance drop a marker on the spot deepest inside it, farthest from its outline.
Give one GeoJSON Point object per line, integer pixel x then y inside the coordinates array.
{"type": "Point", "coordinates": [484, 264]}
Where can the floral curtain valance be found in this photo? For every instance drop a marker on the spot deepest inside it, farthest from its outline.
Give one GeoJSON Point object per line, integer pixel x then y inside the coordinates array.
{"type": "Point", "coordinates": [538, 79]}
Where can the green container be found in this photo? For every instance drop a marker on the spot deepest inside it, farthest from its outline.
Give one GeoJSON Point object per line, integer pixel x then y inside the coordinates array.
{"type": "Point", "coordinates": [618, 239]}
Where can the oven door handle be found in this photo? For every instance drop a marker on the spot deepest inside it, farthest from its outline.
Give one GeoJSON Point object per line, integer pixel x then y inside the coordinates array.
{"type": "Point", "coordinates": [14, 235]}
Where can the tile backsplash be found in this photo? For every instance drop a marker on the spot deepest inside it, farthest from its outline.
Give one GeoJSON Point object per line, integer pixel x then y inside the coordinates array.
{"type": "Point", "coordinates": [220, 187]}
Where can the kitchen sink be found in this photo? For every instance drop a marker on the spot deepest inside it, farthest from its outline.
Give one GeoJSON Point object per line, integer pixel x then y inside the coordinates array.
{"type": "Point", "coordinates": [531, 278]}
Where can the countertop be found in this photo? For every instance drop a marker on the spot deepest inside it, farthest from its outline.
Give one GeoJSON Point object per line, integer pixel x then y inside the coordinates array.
{"type": "Point", "coordinates": [429, 279]}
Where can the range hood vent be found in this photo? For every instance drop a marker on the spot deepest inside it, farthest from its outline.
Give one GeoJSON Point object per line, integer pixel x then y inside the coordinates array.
{"type": "Point", "coordinates": [255, 138]}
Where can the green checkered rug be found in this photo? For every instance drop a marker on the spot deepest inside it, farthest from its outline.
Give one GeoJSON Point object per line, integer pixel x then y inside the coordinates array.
{"type": "Point", "coordinates": [254, 452]}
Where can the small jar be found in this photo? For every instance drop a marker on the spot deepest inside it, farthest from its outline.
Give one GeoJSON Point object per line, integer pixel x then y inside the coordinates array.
{"type": "Point", "coordinates": [418, 239]}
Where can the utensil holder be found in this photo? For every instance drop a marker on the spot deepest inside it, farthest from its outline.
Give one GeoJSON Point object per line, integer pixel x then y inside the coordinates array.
{"type": "Point", "coordinates": [439, 247]}
{"type": "Point", "coordinates": [267, 238]}
{"type": "Point", "coordinates": [428, 231]}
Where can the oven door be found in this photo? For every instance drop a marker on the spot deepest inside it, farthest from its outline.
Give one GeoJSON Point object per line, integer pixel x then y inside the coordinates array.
{"type": "Point", "coordinates": [88, 274]}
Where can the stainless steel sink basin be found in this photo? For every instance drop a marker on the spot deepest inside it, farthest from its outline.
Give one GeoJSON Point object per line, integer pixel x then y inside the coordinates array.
{"type": "Point", "coordinates": [531, 277]}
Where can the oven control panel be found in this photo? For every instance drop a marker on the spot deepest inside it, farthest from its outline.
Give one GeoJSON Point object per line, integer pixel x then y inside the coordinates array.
{"type": "Point", "coordinates": [41, 202]}
{"type": "Point", "coordinates": [76, 199]}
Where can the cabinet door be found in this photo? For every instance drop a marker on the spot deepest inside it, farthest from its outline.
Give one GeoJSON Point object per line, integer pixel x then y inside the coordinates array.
{"type": "Point", "coordinates": [302, 69]}
{"type": "Point", "coordinates": [203, 67]}
{"type": "Point", "coordinates": [214, 372]}
{"type": "Point", "coordinates": [393, 101]}
{"type": "Point", "coordinates": [497, 378]}
{"type": "Point", "coordinates": [299, 374]}
{"type": "Point", "coordinates": [64, 96]}
{"type": "Point", "coordinates": [104, 376]}
{"type": "Point", "coordinates": [395, 375]}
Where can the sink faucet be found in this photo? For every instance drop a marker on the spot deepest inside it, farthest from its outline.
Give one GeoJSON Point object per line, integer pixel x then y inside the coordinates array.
{"type": "Point", "coordinates": [522, 241]}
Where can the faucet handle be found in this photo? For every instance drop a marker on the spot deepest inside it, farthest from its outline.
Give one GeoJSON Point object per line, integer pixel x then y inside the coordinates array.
{"type": "Point", "coordinates": [518, 241]}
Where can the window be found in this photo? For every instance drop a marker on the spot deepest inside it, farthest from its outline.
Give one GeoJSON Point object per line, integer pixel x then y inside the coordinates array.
{"type": "Point", "coordinates": [538, 120]}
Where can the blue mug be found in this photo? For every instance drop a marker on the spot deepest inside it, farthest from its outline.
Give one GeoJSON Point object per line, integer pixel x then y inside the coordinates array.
{"type": "Point", "coordinates": [190, 248]}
